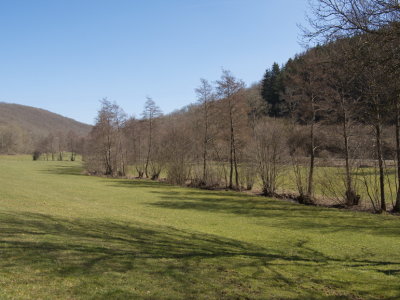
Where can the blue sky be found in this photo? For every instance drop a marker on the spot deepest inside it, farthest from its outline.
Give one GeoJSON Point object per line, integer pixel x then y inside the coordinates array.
{"type": "Point", "coordinates": [66, 55]}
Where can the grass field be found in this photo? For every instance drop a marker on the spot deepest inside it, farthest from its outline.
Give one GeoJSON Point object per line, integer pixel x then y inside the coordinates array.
{"type": "Point", "coordinates": [64, 235]}
{"type": "Point", "coordinates": [329, 184]}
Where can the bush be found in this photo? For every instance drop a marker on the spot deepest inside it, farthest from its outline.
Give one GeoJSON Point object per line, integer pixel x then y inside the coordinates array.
{"type": "Point", "coordinates": [177, 172]}
{"type": "Point", "coordinates": [36, 155]}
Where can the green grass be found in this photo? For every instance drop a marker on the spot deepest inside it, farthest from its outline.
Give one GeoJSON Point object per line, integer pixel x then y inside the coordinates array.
{"type": "Point", "coordinates": [329, 184]}
{"type": "Point", "coordinates": [64, 235]}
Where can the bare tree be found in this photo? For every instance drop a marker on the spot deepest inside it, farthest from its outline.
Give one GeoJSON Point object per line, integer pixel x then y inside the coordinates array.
{"type": "Point", "coordinates": [11, 139]}
{"type": "Point", "coordinates": [150, 113]}
{"type": "Point", "coordinates": [228, 89]}
{"type": "Point", "coordinates": [60, 145]}
{"type": "Point", "coordinates": [134, 132]}
{"type": "Point", "coordinates": [178, 147]}
{"type": "Point", "coordinates": [50, 141]}
{"type": "Point", "coordinates": [105, 153]}
{"type": "Point", "coordinates": [304, 86]}
{"type": "Point", "coordinates": [378, 20]}
{"type": "Point", "coordinates": [298, 150]}
{"type": "Point", "coordinates": [333, 19]}
{"type": "Point", "coordinates": [271, 153]}
{"type": "Point", "coordinates": [72, 141]}
{"type": "Point", "coordinates": [257, 108]}
{"type": "Point", "coordinates": [205, 98]}
{"type": "Point", "coordinates": [341, 101]}
{"type": "Point", "coordinates": [375, 112]}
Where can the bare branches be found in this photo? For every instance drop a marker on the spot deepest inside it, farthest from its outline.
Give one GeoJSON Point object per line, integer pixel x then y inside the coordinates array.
{"type": "Point", "coordinates": [150, 113]}
{"type": "Point", "coordinates": [335, 19]}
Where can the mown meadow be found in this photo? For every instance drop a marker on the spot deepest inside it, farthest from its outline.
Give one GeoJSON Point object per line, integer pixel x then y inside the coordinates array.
{"type": "Point", "coordinates": [65, 235]}
{"type": "Point", "coordinates": [329, 183]}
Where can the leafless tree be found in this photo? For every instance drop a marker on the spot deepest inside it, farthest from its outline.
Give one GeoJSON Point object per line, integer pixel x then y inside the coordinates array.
{"type": "Point", "coordinates": [304, 83]}
{"type": "Point", "coordinates": [228, 89]}
{"type": "Point", "coordinates": [205, 98]}
{"type": "Point", "coordinates": [375, 111]}
{"type": "Point", "coordinates": [11, 139]}
{"type": "Point", "coordinates": [178, 148]}
{"type": "Point", "coordinates": [105, 153]}
{"type": "Point", "coordinates": [72, 141]}
{"type": "Point", "coordinates": [333, 19]}
{"type": "Point", "coordinates": [150, 113]}
{"type": "Point", "coordinates": [135, 133]}
{"type": "Point", "coordinates": [341, 100]}
{"type": "Point", "coordinates": [378, 22]}
{"type": "Point", "coordinates": [271, 153]}
{"type": "Point", "coordinates": [60, 145]}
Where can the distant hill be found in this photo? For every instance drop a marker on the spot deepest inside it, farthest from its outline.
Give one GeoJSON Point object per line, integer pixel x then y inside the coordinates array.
{"type": "Point", "coordinates": [39, 121]}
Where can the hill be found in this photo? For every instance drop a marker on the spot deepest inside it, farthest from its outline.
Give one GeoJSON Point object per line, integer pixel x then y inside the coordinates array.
{"type": "Point", "coordinates": [38, 121]}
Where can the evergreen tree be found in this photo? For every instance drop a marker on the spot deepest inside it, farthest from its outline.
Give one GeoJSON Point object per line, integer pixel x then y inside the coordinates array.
{"type": "Point", "coordinates": [271, 89]}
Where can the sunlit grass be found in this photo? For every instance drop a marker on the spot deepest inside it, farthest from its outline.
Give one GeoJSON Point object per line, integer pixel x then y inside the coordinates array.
{"type": "Point", "coordinates": [64, 235]}
{"type": "Point", "coordinates": [329, 183]}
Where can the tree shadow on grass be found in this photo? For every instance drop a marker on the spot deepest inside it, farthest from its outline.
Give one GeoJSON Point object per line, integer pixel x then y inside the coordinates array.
{"type": "Point", "coordinates": [139, 183]}
{"type": "Point", "coordinates": [278, 213]}
{"type": "Point", "coordinates": [170, 189]}
{"type": "Point", "coordinates": [137, 240]}
{"type": "Point", "coordinates": [190, 262]}
{"type": "Point", "coordinates": [64, 170]}
{"type": "Point", "coordinates": [284, 214]}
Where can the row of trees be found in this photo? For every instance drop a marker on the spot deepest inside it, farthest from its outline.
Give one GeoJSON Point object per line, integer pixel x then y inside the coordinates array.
{"type": "Point", "coordinates": [14, 140]}
{"type": "Point", "coordinates": [55, 145]}
{"type": "Point", "coordinates": [227, 139]}
{"type": "Point", "coordinates": [361, 79]}
{"type": "Point", "coordinates": [352, 79]}
{"type": "Point", "coordinates": [339, 100]}
{"type": "Point", "coordinates": [176, 141]}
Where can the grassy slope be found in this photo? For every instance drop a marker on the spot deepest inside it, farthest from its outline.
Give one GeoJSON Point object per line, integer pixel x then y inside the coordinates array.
{"type": "Point", "coordinates": [65, 235]}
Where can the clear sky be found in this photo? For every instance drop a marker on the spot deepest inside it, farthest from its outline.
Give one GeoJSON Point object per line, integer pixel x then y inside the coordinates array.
{"type": "Point", "coordinates": [66, 55]}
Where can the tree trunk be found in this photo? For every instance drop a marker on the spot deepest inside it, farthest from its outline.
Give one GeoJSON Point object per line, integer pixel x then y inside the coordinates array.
{"type": "Point", "coordinates": [231, 150]}
{"type": "Point", "coordinates": [149, 149]}
{"type": "Point", "coordinates": [204, 164]}
{"type": "Point", "coordinates": [235, 165]}
{"type": "Point", "coordinates": [231, 168]}
{"type": "Point", "coordinates": [108, 163]}
{"type": "Point", "coordinates": [312, 159]}
{"type": "Point", "coordinates": [109, 169]}
{"type": "Point", "coordinates": [312, 155]}
{"type": "Point", "coordinates": [378, 133]}
{"type": "Point", "coordinates": [347, 163]}
{"type": "Point", "coordinates": [396, 207]}
{"type": "Point", "coordinates": [205, 141]}
{"type": "Point", "coordinates": [351, 197]}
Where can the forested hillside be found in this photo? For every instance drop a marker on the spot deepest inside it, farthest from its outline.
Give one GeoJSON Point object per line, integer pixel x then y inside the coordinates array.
{"type": "Point", "coordinates": [39, 121]}
{"type": "Point", "coordinates": [22, 128]}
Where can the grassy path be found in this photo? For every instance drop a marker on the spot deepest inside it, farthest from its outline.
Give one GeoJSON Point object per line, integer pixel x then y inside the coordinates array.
{"type": "Point", "coordinates": [68, 236]}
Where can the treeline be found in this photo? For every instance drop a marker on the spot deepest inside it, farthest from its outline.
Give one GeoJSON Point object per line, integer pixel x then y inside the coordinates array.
{"type": "Point", "coordinates": [338, 103]}
{"type": "Point", "coordinates": [15, 140]}
{"type": "Point", "coordinates": [59, 146]}
{"type": "Point", "coordinates": [348, 85]}
{"type": "Point", "coordinates": [227, 140]}
{"type": "Point", "coordinates": [203, 145]}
